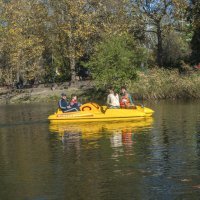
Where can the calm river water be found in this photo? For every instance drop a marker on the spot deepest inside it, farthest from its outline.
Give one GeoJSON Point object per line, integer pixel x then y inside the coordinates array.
{"type": "Point", "coordinates": [157, 158]}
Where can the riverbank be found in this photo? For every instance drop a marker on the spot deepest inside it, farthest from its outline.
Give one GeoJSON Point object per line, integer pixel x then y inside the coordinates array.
{"type": "Point", "coordinates": [150, 84]}
{"type": "Point", "coordinates": [43, 92]}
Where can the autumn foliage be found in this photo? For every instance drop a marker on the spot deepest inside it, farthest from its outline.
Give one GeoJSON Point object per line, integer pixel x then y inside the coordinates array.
{"type": "Point", "coordinates": [48, 41]}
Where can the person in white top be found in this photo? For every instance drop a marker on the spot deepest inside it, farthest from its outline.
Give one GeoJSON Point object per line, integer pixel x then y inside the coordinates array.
{"type": "Point", "coordinates": [113, 99]}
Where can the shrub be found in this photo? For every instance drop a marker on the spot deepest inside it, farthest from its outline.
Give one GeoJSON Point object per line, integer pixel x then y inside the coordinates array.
{"type": "Point", "coordinates": [115, 61]}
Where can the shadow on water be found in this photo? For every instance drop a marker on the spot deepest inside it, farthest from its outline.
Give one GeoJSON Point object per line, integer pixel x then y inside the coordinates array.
{"type": "Point", "coordinates": [26, 114]}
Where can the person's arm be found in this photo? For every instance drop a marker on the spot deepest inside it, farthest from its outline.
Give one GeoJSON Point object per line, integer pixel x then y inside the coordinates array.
{"type": "Point", "coordinates": [68, 105]}
{"type": "Point", "coordinates": [130, 99]}
{"type": "Point", "coordinates": [108, 100]}
{"type": "Point", "coordinates": [118, 102]}
{"type": "Point", "coordinates": [61, 105]}
{"type": "Point", "coordinates": [71, 103]}
{"type": "Point", "coordinates": [117, 96]}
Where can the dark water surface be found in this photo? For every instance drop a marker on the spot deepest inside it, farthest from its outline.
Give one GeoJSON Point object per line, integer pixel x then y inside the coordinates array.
{"type": "Point", "coordinates": [157, 158]}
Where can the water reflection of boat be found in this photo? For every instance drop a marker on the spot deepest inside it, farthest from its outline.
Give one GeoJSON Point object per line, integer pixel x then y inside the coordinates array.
{"type": "Point", "coordinates": [95, 129]}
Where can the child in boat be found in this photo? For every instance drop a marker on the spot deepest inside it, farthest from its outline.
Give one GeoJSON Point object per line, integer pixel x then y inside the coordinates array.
{"type": "Point", "coordinates": [126, 99]}
{"type": "Point", "coordinates": [74, 103]}
{"type": "Point", "coordinates": [125, 102]}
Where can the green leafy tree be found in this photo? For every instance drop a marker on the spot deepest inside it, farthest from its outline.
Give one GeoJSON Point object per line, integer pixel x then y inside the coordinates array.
{"type": "Point", "coordinates": [175, 49]}
{"type": "Point", "coordinates": [115, 61]}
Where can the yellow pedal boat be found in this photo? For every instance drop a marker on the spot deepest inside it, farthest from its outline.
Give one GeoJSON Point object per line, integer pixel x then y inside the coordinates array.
{"type": "Point", "coordinates": [93, 112]}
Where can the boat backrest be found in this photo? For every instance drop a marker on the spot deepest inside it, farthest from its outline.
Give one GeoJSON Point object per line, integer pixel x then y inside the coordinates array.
{"type": "Point", "coordinates": [93, 107]}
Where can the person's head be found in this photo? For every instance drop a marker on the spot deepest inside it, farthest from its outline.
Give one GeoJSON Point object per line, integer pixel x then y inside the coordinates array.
{"type": "Point", "coordinates": [74, 97]}
{"type": "Point", "coordinates": [64, 96]}
{"type": "Point", "coordinates": [111, 90]}
{"type": "Point", "coordinates": [123, 89]}
{"type": "Point", "coordinates": [126, 94]}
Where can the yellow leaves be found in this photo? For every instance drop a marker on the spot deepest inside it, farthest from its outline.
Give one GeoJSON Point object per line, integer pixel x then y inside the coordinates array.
{"type": "Point", "coordinates": [22, 38]}
{"type": "Point", "coordinates": [183, 4]}
{"type": "Point", "coordinates": [77, 26]}
{"type": "Point", "coordinates": [15, 31]}
{"type": "Point", "coordinates": [180, 7]}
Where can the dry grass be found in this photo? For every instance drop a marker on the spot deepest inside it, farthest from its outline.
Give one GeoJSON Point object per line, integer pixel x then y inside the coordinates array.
{"type": "Point", "coordinates": [161, 84]}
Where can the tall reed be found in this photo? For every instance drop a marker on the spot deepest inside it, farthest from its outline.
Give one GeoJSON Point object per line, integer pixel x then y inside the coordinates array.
{"type": "Point", "coordinates": [162, 83]}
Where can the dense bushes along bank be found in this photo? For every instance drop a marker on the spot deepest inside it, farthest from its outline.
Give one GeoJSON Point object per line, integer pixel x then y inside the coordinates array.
{"type": "Point", "coordinates": [150, 84]}
{"type": "Point", "coordinates": [164, 84]}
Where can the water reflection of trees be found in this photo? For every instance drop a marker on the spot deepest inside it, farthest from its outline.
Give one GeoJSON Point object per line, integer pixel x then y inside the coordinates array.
{"type": "Point", "coordinates": [172, 147]}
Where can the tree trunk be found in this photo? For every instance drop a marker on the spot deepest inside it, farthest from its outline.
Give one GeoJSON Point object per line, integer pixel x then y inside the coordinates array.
{"type": "Point", "coordinates": [159, 46]}
{"type": "Point", "coordinates": [72, 53]}
{"type": "Point", "coordinates": [72, 68]}
{"type": "Point", "coordinates": [72, 59]}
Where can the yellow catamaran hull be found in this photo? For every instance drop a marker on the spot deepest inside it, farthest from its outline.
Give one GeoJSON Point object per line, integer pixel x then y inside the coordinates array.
{"type": "Point", "coordinates": [93, 112]}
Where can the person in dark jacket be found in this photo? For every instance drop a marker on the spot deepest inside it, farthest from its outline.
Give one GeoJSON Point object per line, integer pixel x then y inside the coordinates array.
{"type": "Point", "coordinates": [64, 105]}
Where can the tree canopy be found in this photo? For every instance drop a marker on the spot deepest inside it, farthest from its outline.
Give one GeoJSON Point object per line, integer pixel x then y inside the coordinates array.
{"type": "Point", "coordinates": [47, 40]}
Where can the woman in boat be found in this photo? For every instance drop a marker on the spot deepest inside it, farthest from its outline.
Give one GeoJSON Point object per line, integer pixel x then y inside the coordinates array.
{"type": "Point", "coordinates": [113, 99]}
{"type": "Point", "coordinates": [126, 100]}
{"type": "Point", "coordinates": [64, 105]}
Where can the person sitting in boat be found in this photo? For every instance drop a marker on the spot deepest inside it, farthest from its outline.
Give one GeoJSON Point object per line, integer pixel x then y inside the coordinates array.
{"type": "Point", "coordinates": [113, 99]}
{"type": "Point", "coordinates": [126, 100]}
{"type": "Point", "coordinates": [64, 105]}
{"type": "Point", "coordinates": [74, 103]}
